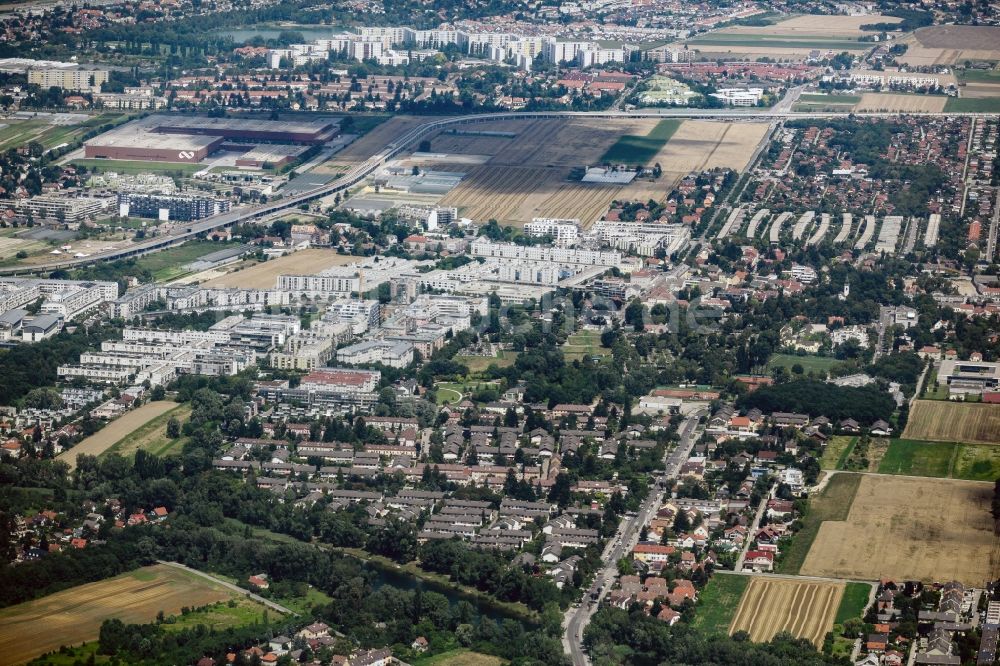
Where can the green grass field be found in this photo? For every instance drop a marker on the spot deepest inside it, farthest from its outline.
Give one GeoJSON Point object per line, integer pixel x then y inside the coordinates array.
{"type": "Point", "coordinates": [584, 344]}
{"type": "Point", "coordinates": [169, 264]}
{"type": "Point", "coordinates": [459, 657]}
{"type": "Point", "coordinates": [918, 458]}
{"type": "Point", "coordinates": [834, 503]}
{"type": "Point", "coordinates": [829, 99]}
{"type": "Point", "coordinates": [979, 75]}
{"type": "Point", "coordinates": [639, 150]}
{"type": "Point", "coordinates": [977, 462]}
{"type": "Point", "coordinates": [718, 603]}
{"type": "Point", "coordinates": [179, 169]}
{"type": "Point", "coordinates": [480, 363]}
{"type": "Point", "coordinates": [836, 452]}
{"type": "Point", "coordinates": [152, 436]}
{"type": "Point", "coordinates": [853, 603]}
{"type": "Point", "coordinates": [971, 105]}
{"type": "Point", "coordinates": [808, 362]}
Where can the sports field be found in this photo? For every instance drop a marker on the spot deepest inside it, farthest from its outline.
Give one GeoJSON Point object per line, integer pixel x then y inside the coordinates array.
{"type": "Point", "coordinates": [805, 609]}
{"type": "Point", "coordinates": [906, 528]}
{"type": "Point", "coordinates": [168, 264]}
{"type": "Point", "coordinates": [115, 431]}
{"type": "Point", "coordinates": [75, 615]}
{"type": "Point", "coordinates": [945, 421]}
{"type": "Point", "coordinates": [265, 275]}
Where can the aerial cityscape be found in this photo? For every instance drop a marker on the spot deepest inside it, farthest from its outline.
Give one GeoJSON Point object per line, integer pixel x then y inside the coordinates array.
{"type": "Point", "coordinates": [487, 333]}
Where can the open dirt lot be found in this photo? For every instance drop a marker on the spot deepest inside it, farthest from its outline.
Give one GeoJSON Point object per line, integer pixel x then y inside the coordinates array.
{"type": "Point", "coordinates": [265, 275]}
{"type": "Point", "coordinates": [116, 430]}
{"type": "Point", "coordinates": [943, 421]}
{"type": "Point", "coordinates": [528, 176]}
{"type": "Point", "coordinates": [805, 609]}
{"type": "Point", "coordinates": [890, 102]}
{"type": "Point", "coordinates": [909, 528]}
{"type": "Point", "coordinates": [74, 616]}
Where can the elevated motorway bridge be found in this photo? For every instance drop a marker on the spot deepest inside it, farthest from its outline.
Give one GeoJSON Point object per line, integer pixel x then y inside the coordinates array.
{"type": "Point", "coordinates": [358, 173]}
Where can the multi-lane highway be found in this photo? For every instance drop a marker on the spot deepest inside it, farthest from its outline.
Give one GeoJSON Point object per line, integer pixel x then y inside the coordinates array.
{"type": "Point", "coordinates": [578, 616]}
{"type": "Point", "coordinates": [361, 171]}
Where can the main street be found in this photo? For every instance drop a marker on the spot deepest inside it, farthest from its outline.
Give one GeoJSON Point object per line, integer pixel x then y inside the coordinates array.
{"type": "Point", "coordinates": [621, 543]}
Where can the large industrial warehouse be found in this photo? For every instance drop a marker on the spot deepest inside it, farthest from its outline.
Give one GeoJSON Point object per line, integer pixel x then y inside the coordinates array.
{"type": "Point", "coordinates": [177, 138]}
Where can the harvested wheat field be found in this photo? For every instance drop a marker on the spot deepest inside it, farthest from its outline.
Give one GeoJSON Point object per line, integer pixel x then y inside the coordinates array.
{"type": "Point", "coordinates": [75, 615]}
{"type": "Point", "coordinates": [371, 143]}
{"type": "Point", "coordinates": [116, 431]}
{"type": "Point", "coordinates": [265, 275]}
{"type": "Point", "coordinates": [529, 176]}
{"type": "Point", "coordinates": [901, 103]}
{"type": "Point", "coordinates": [816, 24]}
{"type": "Point", "coordinates": [943, 421]}
{"type": "Point", "coordinates": [912, 529]}
{"type": "Point", "coordinates": [951, 44]}
{"type": "Point", "coordinates": [805, 609]}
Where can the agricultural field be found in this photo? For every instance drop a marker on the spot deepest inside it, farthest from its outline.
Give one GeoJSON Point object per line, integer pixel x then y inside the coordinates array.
{"type": "Point", "coordinates": [264, 275]}
{"type": "Point", "coordinates": [816, 24]}
{"type": "Point", "coordinates": [951, 44]}
{"type": "Point", "coordinates": [831, 504]}
{"type": "Point", "coordinates": [854, 602]}
{"type": "Point", "coordinates": [117, 430]}
{"type": "Point", "coordinates": [977, 462]}
{"type": "Point", "coordinates": [152, 436]}
{"type": "Point", "coordinates": [974, 105]}
{"type": "Point", "coordinates": [819, 102]}
{"type": "Point", "coordinates": [718, 602]}
{"type": "Point", "coordinates": [75, 615]}
{"type": "Point", "coordinates": [898, 102]}
{"type": "Point", "coordinates": [584, 344]}
{"type": "Point", "coordinates": [806, 609]}
{"type": "Point", "coordinates": [905, 528]}
{"type": "Point", "coordinates": [529, 175]}
{"type": "Point", "coordinates": [809, 363]}
{"type": "Point", "coordinates": [372, 142]}
{"type": "Point", "coordinates": [918, 458]}
{"type": "Point", "coordinates": [936, 420]}
{"type": "Point", "coordinates": [639, 150]}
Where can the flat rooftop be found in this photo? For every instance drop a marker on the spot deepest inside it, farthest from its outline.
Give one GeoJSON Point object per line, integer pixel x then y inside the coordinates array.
{"type": "Point", "coordinates": [241, 124]}
{"type": "Point", "coordinates": [130, 136]}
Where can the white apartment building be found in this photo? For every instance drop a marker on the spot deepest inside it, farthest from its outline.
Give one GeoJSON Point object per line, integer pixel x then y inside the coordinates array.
{"type": "Point", "coordinates": [483, 247]}
{"type": "Point", "coordinates": [62, 208]}
{"type": "Point", "coordinates": [739, 96]}
{"type": "Point", "coordinates": [395, 354]}
{"type": "Point", "coordinates": [565, 232]}
{"type": "Point", "coordinates": [321, 285]}
{"type": "Point", "coordinates": [77, 78]}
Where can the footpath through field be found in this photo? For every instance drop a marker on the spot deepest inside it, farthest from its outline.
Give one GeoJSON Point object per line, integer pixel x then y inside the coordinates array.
{"type": "Point", "coordinates": [235, 588]}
